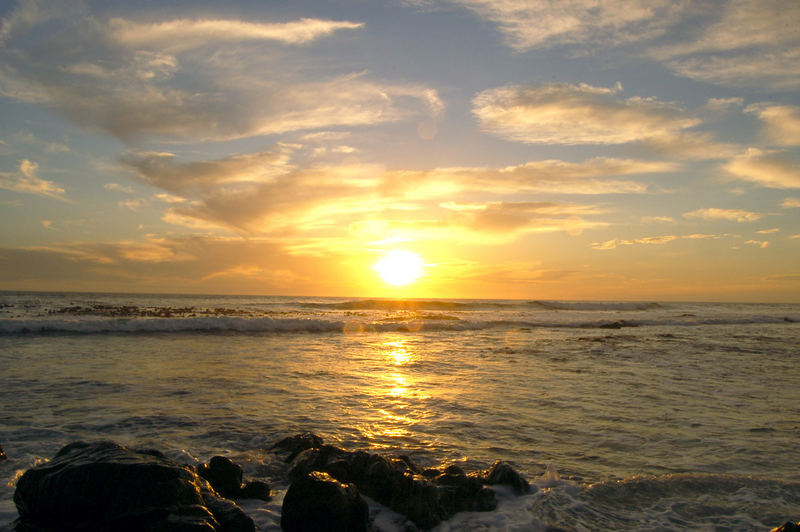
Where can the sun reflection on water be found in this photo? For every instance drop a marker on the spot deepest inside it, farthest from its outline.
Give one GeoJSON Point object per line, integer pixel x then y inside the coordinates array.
{"type": "Point", "coordinates": [398, 392]}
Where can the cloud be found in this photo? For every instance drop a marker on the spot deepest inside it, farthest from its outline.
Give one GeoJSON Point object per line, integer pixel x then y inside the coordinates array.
{"type": "Point", "coordinates": [503, 217]}
{"type": "Point", "coordinates": [769, 168]}
{"type": "Point", "coordinates": [593, 176]}
{"type": "Point", "coordinates": [769, 231]}
{"type": "Point", "coordinates": [786, 277]}
{"type": "Point", "coordinates": [482, 223]}
{"type": "Point", "coordinates": [649, 240]}
{"type": "Point", "coordinates": [181, 34]}
{"type": "Point", "coordinates": [735, 215]}
{"type": "Point", "coordinates": [723, 104]}
{"type": "Point", "coordinates": [133, 204]}
{"type": "Point", "coordinates": [140, 80]}
{"type": "Point", "coordinates": [759, 243]}
{"type": "Point", "coordinates": [528, 24]}
{"type": "Point", "coordinates": [781, 122]}
{"type": "Point", "coordinates": [26, 181]}
{"type": "Point", "coordinates": [194, 264]}
{"type": "Point", "coordinates": [789, 203]}
{"type": "Point", "coordinates": [264, 192]}
{"type": "Point", "coordinates": [753, 43]}
{"type": "Point", "coordinates": [576, 114]}
{"type": "Point", "coordinates": [118, 188]}
{"type": "Point", "coordinates": [740, 43]}
{"type": "Point", "coordinates": [161, 170]}
{"type": "Point", "coordinates": [657, 219]}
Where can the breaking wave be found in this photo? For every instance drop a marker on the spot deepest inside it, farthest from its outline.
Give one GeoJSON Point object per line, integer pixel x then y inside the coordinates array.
{"type": "Point", "coordinates": [266, 324]}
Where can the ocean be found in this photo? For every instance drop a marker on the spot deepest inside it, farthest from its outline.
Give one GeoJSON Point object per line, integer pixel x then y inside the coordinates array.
{"type": "Point", "coordinates": [623, 415]}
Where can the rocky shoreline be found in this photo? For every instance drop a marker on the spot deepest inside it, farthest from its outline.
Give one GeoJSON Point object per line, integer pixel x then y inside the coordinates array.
{"type": "Point", "coordinates": [106, 487]}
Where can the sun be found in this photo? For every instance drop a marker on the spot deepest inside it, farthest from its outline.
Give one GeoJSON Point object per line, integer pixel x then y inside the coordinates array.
{"type": "Point", "coordinates": [400, 267]}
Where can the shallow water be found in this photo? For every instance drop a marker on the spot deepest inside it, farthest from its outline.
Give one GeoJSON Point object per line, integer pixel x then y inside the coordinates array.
{"type": "Point", "coordinates": [688, 420]}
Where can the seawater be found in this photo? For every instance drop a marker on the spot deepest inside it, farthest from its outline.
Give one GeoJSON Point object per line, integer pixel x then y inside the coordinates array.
{"type": "Point", "coordinates": [624, 415]}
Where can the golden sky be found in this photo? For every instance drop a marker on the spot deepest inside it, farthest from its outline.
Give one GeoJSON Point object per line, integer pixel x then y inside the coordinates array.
{"type": "Point", "coordinates": [623, 150]}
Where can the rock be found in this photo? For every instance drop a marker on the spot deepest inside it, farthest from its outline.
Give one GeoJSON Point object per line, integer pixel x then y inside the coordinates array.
{"type": "Point", "coordinates": [503, 473]}
{"type": "Point", "coordinates": [255, 490]}
{"type": "Point", "coordinates": [425, 497]}
{"type": "Point", "coordinates": [485, 500]}
{"type": "Point", "coordinates": [2, 454]}
{"type": "Point", "coordinates": [293, 445]}
{"type": "Point", "coordinates": [788, 526]}
{"type": "Point", "coordinates": [106, 487]}
{"type": "Point", "coordinates": [225, 476]}
{"type": "Point", "coordinates": [619, 324]}
{"type": "Point", "coordinates": [319, 502]}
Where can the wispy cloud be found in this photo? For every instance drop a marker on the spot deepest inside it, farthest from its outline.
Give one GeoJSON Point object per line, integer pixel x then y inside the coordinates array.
{"type": "Point", "coordinates": [131, 79]}
{"type": "Point", "coordinates": [265, 191]}
{"type": "Point", "coordinates": [752, 43]}
{"type": "Point", "coordinates": [649, 240]}
{"type": "Point", "coordinates": [734, 215]}
{"type": "Point", "coordinates": [26, 181]}
{"type": "Point", "coordinates": [528, 24]}
{"type": "Point", "coordinates": [789, 203]}
{"type": "Point", "coordinates": [133, 204]}
{"type": "Point", "coordinates": [118, 188]}
{"type": "Point", "coordinates": [181, 34]}
{"type": "Point", "coordinates": [593, 176]}
{"type": "Point", "coordinates": [769, 168]}
{"type": "Point", "coordinates": [781, 122]}
{"type": "Point", "coordinates": [758, 243]}
{"type": "Point", "coordinates": [739, 43]}
{"type": "Point", "coordinates": [577, 114]}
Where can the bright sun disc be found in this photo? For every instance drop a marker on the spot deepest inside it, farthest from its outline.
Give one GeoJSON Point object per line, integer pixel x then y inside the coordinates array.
{"type": "Point", "coordinates": [400, 267]}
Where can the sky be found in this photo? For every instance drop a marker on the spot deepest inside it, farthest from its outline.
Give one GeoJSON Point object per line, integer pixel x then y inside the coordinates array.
{"type": "Point", "coordinates": [582, 149]}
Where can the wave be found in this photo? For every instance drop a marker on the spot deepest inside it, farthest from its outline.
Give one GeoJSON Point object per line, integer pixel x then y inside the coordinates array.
{"type": "Point", "coordinates": [594, 305]}
{"type": "Point", "coordinates": [405, 304]}
{"type": "Point", "coordinates": [265, 324]}
{"type": "Point", "coordinates": [440, 304]}
{"type": "Point", "coordinates": [669, 502]}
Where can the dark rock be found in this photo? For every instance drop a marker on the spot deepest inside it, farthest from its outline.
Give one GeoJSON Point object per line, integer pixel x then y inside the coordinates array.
{"type": "Point", "coordinates": [503, 473]}
{"type": "Point", "coordinates": [788, 526]}
{"type": "Point", "coordinates": [2, 454]}
{"type": "Point", "coordinates": [106, 487]}
{"type": "Point", "coordinates": [304, 463]}
{"type": "Point", "coordinates": [255, 490]}
{"type": "Point", "coordinates": [425, 497]}
{"type": "Point", "coordinates": [485, 500]}
{"type": "Point", "coordinates": [225, 476]}
{"type": "Point", "coordinates": [431, 472]}
{"type": "Point", "coordinates": [294, 445]}
{"type": "Point", "coordinates": [318, 502]}
{"type": "Point", "coordinates": [619, 324]}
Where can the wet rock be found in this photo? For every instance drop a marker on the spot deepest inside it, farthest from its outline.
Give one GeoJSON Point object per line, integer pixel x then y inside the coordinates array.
{"type": "Point", "coordinates": [788, 526]}
{"type": "Point", "coordinates": [255, 489]}
{"type": "Point", "coordinates": [105, 487]}
{"type": "Point", "coordinates": [224, 475]}
{"type": "Point", "coordinates": [619, 324]}
{"type": "Point", "coordinates": [319, 502]}
{"type": "Point", "coordinates": [290, 447]}
{"type": "Point", "coordinates": [485, 500]}
{"type": "Point", "coordinates": [431, 472]}
{"type": "Point", "coordinates": [425, 497]}
{"type": "Point", "coordinates": [503, 473]}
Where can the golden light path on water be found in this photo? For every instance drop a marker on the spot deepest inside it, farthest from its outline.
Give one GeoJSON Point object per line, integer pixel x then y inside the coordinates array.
{"type": "Point", "coordinates": [402, 396]}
